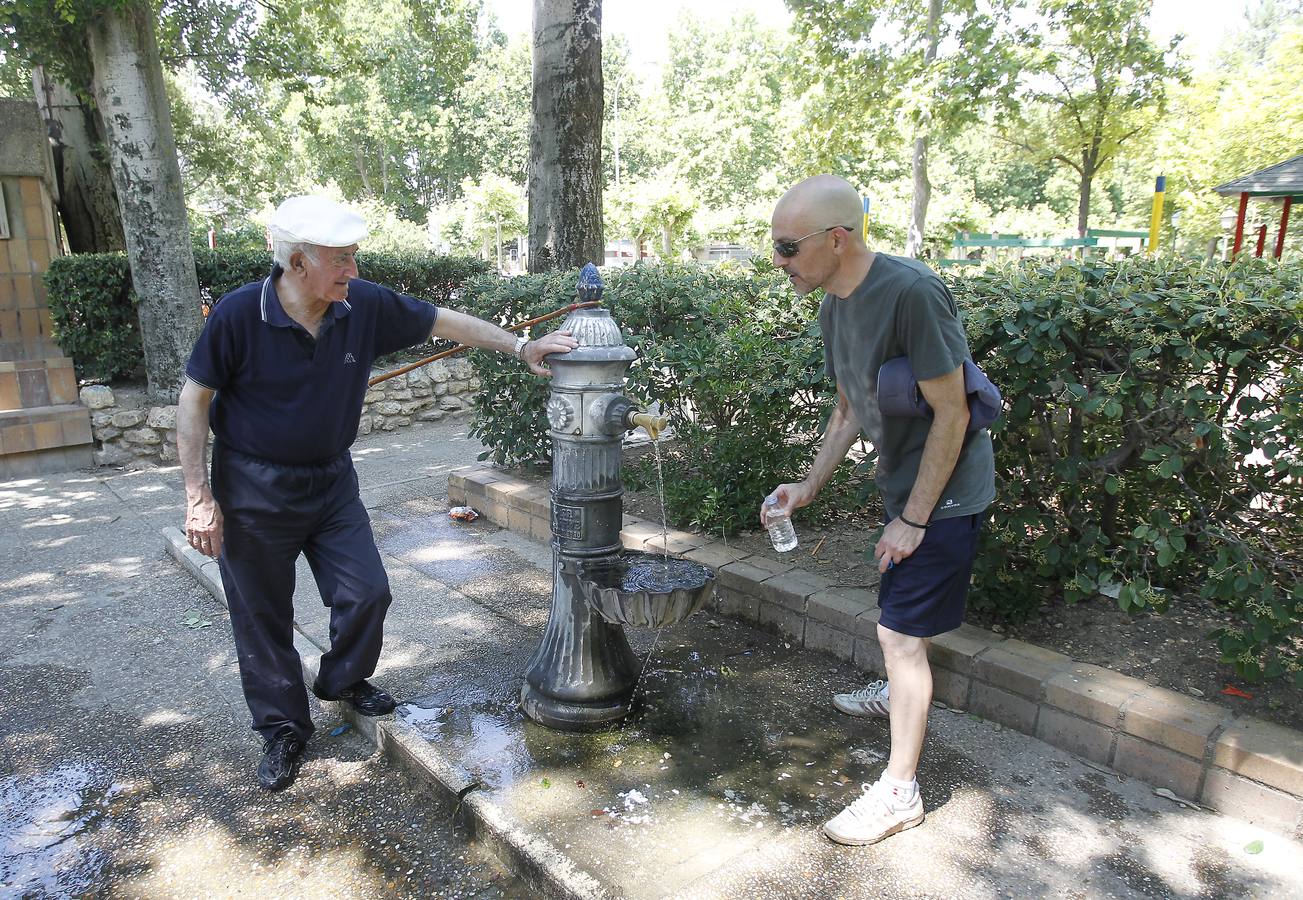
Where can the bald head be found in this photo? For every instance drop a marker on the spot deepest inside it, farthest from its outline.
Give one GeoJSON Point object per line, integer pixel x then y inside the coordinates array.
{"type": "Point", "coordinates": [817, 240]}
{"type": "Point", "coordinates": [819, 202]}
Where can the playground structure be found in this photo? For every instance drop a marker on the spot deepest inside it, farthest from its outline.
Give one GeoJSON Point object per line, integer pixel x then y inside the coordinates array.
{"type": "Point", "coordinates": [1281, 182]}
{"type": "Point", "coordinates": [969, 248]}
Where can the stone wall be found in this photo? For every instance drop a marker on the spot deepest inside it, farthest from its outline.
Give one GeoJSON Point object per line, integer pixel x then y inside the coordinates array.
{"type": "Point", "coordinates": [129, 432]}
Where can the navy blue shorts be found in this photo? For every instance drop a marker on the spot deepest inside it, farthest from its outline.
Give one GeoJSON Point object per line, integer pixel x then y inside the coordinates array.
{"type": "Point", "coordinates": [924, 594]}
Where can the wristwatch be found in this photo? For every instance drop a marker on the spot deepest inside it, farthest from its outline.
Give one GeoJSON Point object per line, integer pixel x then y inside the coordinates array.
{"type": "Point", "coordinates": [520, 345]}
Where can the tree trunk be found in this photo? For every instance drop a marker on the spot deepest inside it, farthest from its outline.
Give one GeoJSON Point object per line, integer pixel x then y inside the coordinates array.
{"type": "Point", "coordinates": [565, 141]}
{"type": "Point", "coordinates": [361, 170]}
{"type": "Point", "coordinates": [142, 154]}
{"type": "Point", "coordinates": [923, 187]}
{"type": "Point", "coordinates": [1083, 198]}
{"type": "Point", "coordinates": [666, 235]}
{"type": "Point", "coordinates": [922, 195]}
{"type": "Point", "coordinates": [88, 203]}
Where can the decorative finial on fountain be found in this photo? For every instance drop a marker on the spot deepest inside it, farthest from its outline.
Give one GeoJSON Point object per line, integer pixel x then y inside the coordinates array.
{"type": "Point", "coordinates": [590, 284]}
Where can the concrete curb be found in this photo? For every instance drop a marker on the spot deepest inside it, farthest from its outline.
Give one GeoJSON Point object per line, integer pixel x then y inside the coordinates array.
{"type": "Point", "coordinates": [549, 871]}
{"type": "Point", "coordinates": [1238, 765]}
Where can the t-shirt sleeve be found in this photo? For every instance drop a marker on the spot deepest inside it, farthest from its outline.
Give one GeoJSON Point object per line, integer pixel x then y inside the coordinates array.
{"type": "Point", "coordinates": [215, 357]}
{"type": "Point", "coordinates": [930, 330]}
{"type": "Point", "coordinates": [402, 321]}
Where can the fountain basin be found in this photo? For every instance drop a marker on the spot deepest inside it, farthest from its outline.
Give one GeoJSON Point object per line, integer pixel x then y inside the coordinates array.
{"type": "Point", "coordinates": [646, 589]}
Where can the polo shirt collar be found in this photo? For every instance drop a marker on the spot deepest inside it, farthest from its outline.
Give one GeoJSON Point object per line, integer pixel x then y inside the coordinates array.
{"type": "Point", "coordinates": [274, 314]}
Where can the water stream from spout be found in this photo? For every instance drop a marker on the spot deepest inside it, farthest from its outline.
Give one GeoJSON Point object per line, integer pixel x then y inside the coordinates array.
{"type": "Point", "coordinates": [660, 487]}
{"type": "Point", "coordinates": [664, 566]}
{"type": "Point", "coordinates": [638, 681]}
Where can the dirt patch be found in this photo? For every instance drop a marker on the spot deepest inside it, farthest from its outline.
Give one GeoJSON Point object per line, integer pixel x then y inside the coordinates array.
{"type": "Point", "coordinates": [1170, 650]}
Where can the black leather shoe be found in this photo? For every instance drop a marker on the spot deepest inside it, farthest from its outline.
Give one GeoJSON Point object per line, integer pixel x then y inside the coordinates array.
{"type": "Point", "coordinates": [365, 697]}
{"type": "Point", "coordinates": [280, 760]}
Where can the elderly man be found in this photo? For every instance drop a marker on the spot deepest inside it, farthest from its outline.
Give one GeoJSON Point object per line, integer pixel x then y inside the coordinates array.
{"type": "Point", "coordinates": [279, 372]}
{"type": "Point", "coordinates": [935, 478]}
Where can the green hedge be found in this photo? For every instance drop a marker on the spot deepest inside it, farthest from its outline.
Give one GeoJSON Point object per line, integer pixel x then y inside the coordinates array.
{"type": "Point", "coordinates": [1150, 444]}
{"type": "Point", "coordinates": [733, 358]}
{"type": "Point", "coordinates": [93, 309]}
{"type": "Point", "coordinates": [93, 305]}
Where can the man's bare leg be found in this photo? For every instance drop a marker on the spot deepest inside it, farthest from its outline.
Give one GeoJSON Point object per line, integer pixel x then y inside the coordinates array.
{"type": "Point", "coordinates": [893, 803]}
{"type": "Point", "coordinates": [910, 677]}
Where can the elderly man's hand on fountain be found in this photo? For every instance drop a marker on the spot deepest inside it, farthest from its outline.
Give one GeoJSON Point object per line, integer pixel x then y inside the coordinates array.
{"type": "Point", "coordinates": [534, 351]}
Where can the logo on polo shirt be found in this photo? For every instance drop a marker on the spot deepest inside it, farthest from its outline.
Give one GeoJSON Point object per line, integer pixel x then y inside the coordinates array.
{"type": "Point", "coordinates": [948, 504]}
{"type": "Point", "coordinates": [349, 359]}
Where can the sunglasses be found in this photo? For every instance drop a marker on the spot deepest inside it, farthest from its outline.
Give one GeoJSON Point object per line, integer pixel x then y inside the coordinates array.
{"type": "Point", "coordinates": [788, 249]}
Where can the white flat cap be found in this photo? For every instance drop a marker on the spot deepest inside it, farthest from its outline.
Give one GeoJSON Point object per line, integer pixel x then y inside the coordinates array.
{"type": "Point", "coordinates": [317, 220]}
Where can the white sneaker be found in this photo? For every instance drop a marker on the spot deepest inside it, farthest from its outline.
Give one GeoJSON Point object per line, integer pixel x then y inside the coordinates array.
{"type": "Point", "coordinates": [878, 814]}
{"type": "Point", "coordinates": [874, 700]}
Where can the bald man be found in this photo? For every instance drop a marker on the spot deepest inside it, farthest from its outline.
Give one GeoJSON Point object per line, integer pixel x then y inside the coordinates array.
{"type": "Point", "coordinates": [935, 477]}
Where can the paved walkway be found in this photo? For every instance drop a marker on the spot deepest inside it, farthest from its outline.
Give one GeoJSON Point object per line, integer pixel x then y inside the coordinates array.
{"type": "Point", "coordinates": [715, 790]}
{"type": "Point", "coordinates": [126, 760]}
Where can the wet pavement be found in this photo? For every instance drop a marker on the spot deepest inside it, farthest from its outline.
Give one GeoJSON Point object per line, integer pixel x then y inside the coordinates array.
{"type": "Point", "coordinates": [716, 787]}
{"type": "Point", "coordinates": [126, 760]}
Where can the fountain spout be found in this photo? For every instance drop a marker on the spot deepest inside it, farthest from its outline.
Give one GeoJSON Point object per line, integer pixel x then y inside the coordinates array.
{"type": "Point", "coordinates": [654, 424]}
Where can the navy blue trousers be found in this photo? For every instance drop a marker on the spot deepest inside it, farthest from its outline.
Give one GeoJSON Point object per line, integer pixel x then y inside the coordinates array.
{"type": "Point", "coordinates": [272, 513]}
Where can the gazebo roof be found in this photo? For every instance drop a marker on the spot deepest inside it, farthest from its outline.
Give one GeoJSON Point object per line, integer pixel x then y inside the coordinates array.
{"type": "Point", "coordinates": [1284, 179]}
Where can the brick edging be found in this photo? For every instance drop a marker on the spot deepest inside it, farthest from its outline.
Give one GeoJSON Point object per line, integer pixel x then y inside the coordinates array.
{"type": "Point", "coordinates": [1239, 765]}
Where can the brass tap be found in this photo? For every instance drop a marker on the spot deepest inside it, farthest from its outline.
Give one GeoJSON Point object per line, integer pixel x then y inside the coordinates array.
{"type": "Point", "coordinates": [654, 424]}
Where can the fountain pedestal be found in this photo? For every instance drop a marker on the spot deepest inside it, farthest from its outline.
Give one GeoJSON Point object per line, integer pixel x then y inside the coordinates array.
{"type": "Point", "coordinates": [583, 673]}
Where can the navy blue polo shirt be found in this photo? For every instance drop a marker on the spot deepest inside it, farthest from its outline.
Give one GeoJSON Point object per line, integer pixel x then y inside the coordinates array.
{"type": "Point", "coordinates": [283, 396]}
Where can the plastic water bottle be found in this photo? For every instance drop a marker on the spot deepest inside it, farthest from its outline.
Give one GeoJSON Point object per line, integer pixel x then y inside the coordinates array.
{"type": "Point", "coordinates": [780, 527]}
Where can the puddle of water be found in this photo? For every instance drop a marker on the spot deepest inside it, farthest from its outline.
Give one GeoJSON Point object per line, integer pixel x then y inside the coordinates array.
{"type": "Point", "coordinates": [697, 740]}
{"type": "Point", "coordinates": [45, 820]}
{"type": "Point", "coordinates": [419, 716]}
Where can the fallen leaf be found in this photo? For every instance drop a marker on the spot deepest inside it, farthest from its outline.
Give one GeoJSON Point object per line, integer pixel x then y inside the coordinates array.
{"type": "Point", "coordinates": [1254, 847]}
{"type": "Point", "coordinates": [1236, 692]}
{"type": "Point", "coordinates": [597, 812]}
{"type": "Point", "coordinates": [617, 764]}
{"type": "Point", "coordinates": [580, 784]}
{"type": "Point", "coordinates": [546, 782]}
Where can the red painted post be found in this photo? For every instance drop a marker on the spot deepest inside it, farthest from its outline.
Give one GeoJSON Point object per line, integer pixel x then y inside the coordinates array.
{"type": "Point", "coordinates": [1262, 240]}
{"type": "Point", "coordinates": [1239, 225]}
{"type": "Point", "coordinates": [1284, 224]}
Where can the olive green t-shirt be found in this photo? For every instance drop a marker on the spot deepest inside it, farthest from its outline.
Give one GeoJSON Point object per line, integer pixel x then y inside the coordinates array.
{"type": "Point", "coordinates": [902, 308]}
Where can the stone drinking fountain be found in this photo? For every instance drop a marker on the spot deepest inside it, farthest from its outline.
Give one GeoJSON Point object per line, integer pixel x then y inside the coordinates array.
{"type": "Point", "coordinates": [584, 674]}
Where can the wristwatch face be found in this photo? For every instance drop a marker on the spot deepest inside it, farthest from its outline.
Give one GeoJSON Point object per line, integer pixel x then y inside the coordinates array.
{"type": "Point", "coordinates": [520, 344]}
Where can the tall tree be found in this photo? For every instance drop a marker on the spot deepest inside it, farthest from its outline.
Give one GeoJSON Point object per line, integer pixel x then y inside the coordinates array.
{"type": "Point", "coordinates": [565, 140]}
{"type": "Point", "coordinates": [44, 35]}
{"type": "Point", "coordinates": [1101, 82]}
{"type": "Point", "coordinates": [1229, 121]}
{"type": "Point", "coordinates": [128, 80]}
{"type": "Point", "coordinates": [878, 67]}
{"type": "Point", "coordinates": [723, 122]}
{"type": "Point", "coordinates": [88, 201]}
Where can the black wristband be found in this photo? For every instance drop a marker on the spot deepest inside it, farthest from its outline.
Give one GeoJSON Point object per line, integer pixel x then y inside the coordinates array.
{"type": "Point", "coordinates": [912, 524]}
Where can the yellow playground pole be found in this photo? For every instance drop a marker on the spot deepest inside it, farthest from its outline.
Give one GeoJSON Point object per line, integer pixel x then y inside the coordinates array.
{"type": "Point", "coordinates": [1155, 217]}
{"type": "Point", "coordinates": [865, 231]}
